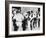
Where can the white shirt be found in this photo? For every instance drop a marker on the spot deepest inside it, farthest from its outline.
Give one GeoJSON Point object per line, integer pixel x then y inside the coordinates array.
{"type": "Point", "coordinates": [18, 17]}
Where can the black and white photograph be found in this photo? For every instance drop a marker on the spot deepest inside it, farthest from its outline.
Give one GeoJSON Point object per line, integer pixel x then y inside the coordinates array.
{"type": "Point", "coordinates": [25, 19]}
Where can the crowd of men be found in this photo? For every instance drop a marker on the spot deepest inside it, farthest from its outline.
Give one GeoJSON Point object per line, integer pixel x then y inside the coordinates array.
{"type": "Point", "coordinates": [25, 21]}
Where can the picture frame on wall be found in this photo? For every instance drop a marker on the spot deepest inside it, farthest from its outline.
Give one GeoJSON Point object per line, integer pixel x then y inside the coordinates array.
{"type": "Point", "coordinates": [24, 18]}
